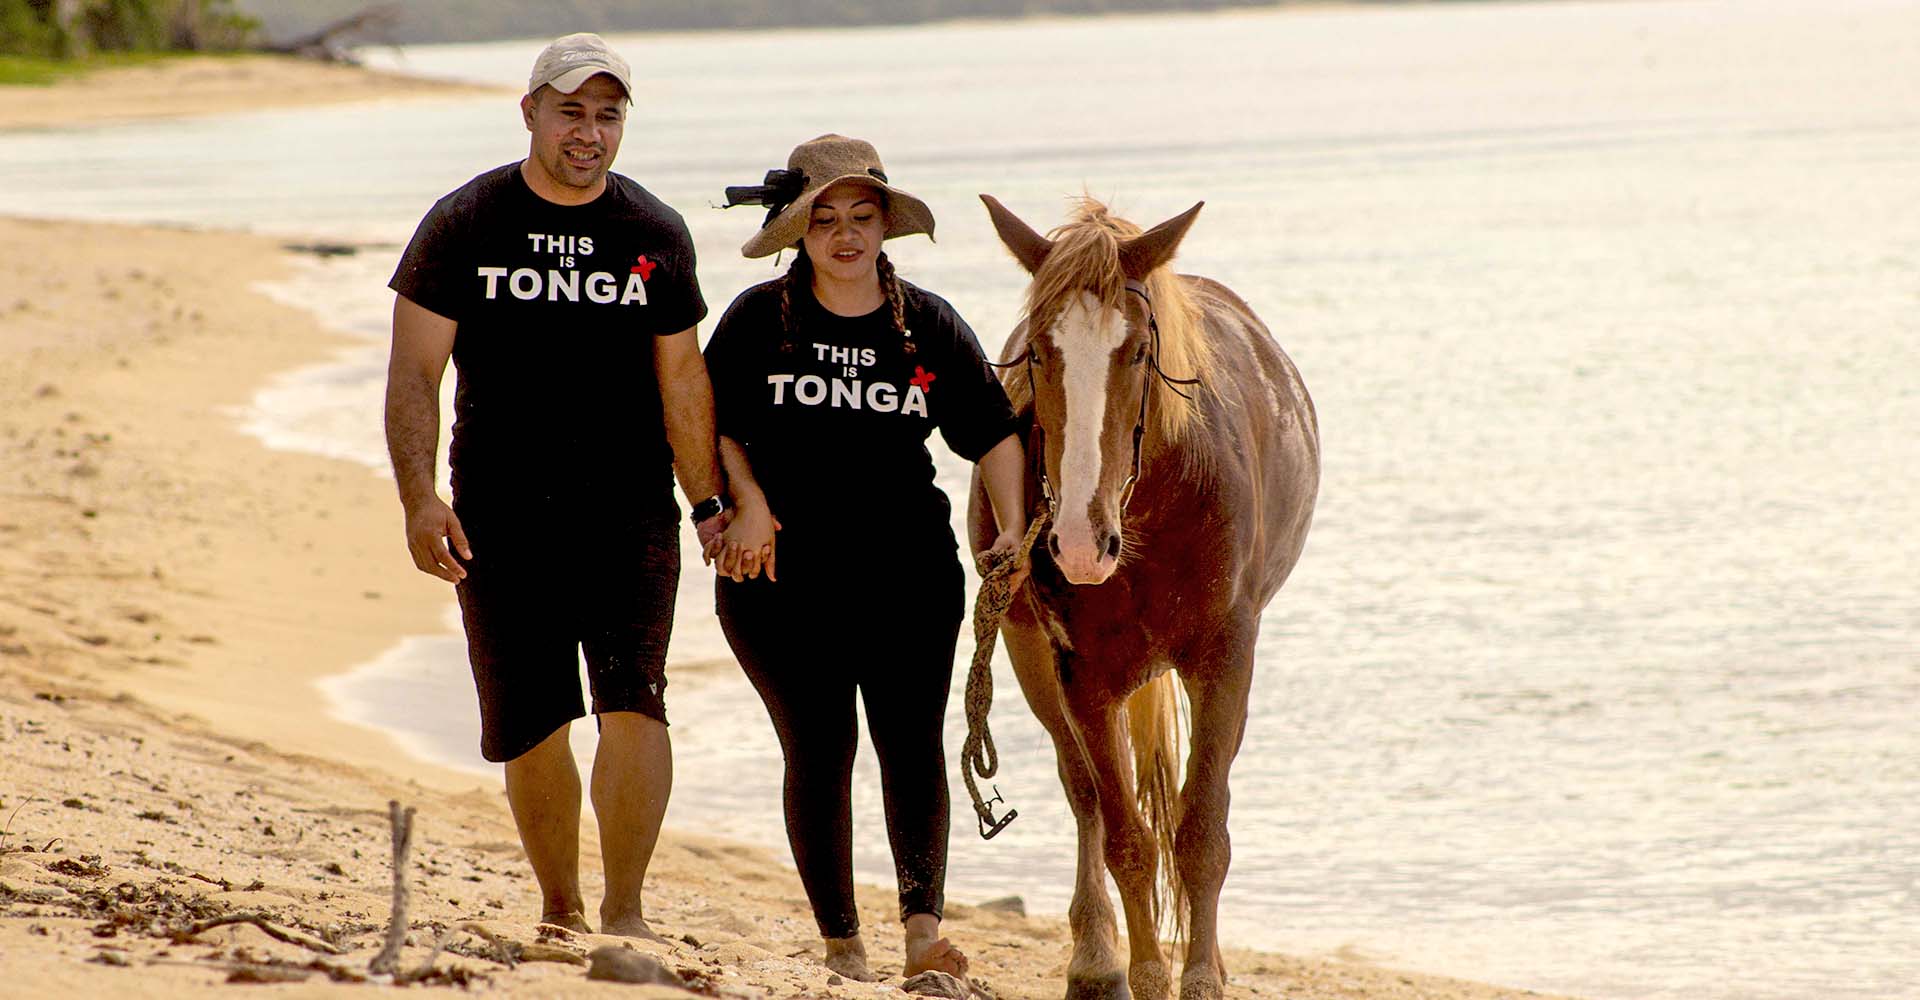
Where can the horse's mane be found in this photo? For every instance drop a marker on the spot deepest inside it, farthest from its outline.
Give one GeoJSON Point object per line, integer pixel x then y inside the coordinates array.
{"type": "Point", "coordinates": [1086, 258]}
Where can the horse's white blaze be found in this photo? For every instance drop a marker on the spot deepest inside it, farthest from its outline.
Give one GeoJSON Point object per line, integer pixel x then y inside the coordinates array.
{"type": "Point", "coordinates": [1086, 334]}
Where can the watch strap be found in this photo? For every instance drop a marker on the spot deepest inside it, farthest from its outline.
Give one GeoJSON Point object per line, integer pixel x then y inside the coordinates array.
{"type": "Point", "coordinates": [712, 506]}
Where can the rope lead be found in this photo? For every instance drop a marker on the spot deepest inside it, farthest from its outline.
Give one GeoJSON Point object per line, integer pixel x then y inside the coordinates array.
{"type": "Point", "coordinates": [989, 609]}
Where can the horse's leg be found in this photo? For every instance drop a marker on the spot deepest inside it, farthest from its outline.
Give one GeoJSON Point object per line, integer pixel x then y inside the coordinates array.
{"type": "Point", "coordinates": [1094, 970]}
{"type": "Point", "coordinates": [1130, 848]}
{"type": "Point", "coordinates": [1217, 692]}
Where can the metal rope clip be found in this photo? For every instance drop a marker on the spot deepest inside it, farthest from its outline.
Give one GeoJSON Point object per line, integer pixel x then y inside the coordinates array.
{"type": "Point", "coordinates": [989, 827]}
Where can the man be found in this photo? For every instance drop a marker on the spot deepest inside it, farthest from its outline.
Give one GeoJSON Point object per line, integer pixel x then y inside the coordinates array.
{"type": "Point", "coordinates": [566, 298]}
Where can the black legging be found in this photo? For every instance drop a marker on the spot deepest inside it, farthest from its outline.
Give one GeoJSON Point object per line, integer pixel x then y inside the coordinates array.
{"type": "Point", "coordinates": [807, 648]}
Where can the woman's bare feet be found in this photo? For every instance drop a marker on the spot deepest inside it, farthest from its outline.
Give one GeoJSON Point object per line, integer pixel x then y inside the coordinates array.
{"type": "Point", "coordinates": [848, 957]}
{"type": "Point", "coordinates": [928, 951]}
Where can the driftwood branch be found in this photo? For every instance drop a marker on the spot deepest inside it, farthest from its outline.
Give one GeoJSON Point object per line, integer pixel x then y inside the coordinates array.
{"type": "Point", "coordinates": [503, 952]}
{"type": "Point", "coordinates": [325, 43]}
{"type": "Point", "coordinates": [502, 949]}
{"type": "Point", "coordinates": [222, 883]}
{"type": "Point", "coordinates": [257, 972]}
{"type": "Point", "coordinates": [388, 961]}
{"type": "Point", "coordinates": [425, 968]}
{"type": "Point", "coordinates": [278, 934]}
{"type": "Point", "coordinates": [6, 832]}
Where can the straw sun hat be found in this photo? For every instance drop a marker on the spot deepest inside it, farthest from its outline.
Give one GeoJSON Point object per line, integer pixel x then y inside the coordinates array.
{"type": "Point", "coordinates": [815, 166]}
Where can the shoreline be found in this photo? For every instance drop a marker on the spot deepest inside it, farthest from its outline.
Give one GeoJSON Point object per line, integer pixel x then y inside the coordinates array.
{"type": "Point", "coordinates": [178, 86]}
{"type": "Point", "coordinates": [171, 590]}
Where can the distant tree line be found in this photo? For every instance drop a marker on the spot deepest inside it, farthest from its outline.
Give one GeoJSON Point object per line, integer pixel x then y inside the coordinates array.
{"type": "Point", "coordinates": [71, 28]}
{"type": "Point", "coordinates": [479, 20]}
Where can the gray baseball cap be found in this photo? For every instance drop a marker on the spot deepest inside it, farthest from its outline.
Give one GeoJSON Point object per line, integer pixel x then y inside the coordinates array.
{"type": "Point", "coordinates": [574, 59]}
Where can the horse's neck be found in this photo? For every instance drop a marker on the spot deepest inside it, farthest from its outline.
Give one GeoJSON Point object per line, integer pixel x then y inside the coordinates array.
{"type": "Point", "coordinates": [1175, 464]}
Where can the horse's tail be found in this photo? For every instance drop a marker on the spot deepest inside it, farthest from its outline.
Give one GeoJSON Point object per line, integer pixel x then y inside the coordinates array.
{"type": "Point", "coordinates": [1153, 727]}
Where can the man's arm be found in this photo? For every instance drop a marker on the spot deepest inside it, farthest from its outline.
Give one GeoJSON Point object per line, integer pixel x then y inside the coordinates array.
{"type": "Point", "coordinates": [422, 343]}
{"type": "Point", "coordinates": [686, 398]}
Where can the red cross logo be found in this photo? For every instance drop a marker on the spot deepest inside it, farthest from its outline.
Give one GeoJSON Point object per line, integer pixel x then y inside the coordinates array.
{"type": "Point", "coordinates": [922, 378]}
{"type": "Point", "coordinates": [643, 267]}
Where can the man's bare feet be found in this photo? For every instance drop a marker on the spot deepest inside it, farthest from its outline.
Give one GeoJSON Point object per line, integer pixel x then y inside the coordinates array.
{"type": "Point", "coordinates": [927, 950]}
{"type": "Point", "coordinates": [572, 920]}
{"type": "Point", "coordinates": [631, 925]}
{"type": "Point", "coordinates": [848, 957]}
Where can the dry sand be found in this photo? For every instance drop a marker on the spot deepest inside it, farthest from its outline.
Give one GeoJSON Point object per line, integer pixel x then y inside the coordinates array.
{"type": "Point", "coordinates": [170, 589]}
{"type": "Point", "coordinates": [206, 85]}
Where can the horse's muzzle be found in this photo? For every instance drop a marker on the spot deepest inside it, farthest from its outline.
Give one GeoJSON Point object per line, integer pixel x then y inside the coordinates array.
{"type": "Point", "coordinates": [1086, 562]}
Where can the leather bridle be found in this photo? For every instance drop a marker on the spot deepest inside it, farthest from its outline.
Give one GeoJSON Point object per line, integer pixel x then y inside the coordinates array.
{"type": "Point", "coordinates": [1152, 371]}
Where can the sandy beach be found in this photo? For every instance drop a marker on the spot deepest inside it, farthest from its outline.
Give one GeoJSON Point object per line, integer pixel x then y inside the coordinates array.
{"type": "Point", "coordinates": [200, 85]}
{"type": "Point", "coordinates": [170, 589]}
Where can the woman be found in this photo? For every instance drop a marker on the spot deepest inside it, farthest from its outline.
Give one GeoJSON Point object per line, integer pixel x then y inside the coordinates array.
{"type": "Point", "coordinates": [827, 383]}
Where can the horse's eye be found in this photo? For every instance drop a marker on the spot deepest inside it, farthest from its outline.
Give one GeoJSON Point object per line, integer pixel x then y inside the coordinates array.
{"type": "Point", "coordinates": [1139, 355]}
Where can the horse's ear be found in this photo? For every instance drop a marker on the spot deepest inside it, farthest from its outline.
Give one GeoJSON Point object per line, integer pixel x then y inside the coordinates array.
{"type": "Point", "coordinates": [1029, 247]}
{"type": "Point", "coordinates": [1140, 255]}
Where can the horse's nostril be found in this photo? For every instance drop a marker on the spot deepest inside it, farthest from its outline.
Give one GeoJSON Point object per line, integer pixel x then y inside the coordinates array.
{"type": "Point", "coordinates": [1053, 542]}
{"type": "Point", "coordinates": [1113, 545]}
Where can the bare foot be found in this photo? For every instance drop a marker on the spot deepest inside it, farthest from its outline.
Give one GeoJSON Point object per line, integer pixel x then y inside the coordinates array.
{"type": "Point", "coordinates": [569, 920]}
{"type": "Point", "coordinates": [631, 925]}
{"type": "Point", "coordinates": [938, 955]}
{"type": "Point", "coordinates": [848, 957]}
{"type": "Point", "coordinates": [927, 950]}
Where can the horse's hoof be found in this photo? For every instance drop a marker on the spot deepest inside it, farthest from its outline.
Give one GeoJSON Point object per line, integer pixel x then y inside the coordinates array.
{"type": "Point", "coordinates": [1149, 980]}
{"type": "Point", "coordinates": [1199, 982]}
{"type": "Point", "coordinates": [1112, 986]}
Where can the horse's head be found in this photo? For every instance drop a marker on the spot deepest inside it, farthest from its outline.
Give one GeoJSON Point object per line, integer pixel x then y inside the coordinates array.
{"type": "Point", "coordinates": [1090, 335]}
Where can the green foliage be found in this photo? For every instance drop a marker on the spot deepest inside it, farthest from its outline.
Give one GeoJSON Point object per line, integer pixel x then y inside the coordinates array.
{"type": "Point", "coordinates": [26, 31]}
{"type": "Point", "coordinates": [123, 25]}
{"type": "Point", "coordinates": [214, 25]}
{"type": "Point", "coordinates": [36, 28]}
{"type": "Point", "coordinates": [41, 71]}
{"type": "Point", "coordinates": [33, 71]}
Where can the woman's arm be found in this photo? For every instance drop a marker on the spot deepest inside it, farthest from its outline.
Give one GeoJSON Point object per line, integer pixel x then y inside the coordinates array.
{"type": "Point", "coordinates": [747, 545]}
{"type": "Point", "coordinates": [1004, 471]}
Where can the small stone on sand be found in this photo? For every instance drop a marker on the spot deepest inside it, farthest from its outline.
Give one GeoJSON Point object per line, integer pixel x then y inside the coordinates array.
{"type": "Point", "coordinates": [625, 965]}
{"type": "Point", "coordinates": [932, 983]}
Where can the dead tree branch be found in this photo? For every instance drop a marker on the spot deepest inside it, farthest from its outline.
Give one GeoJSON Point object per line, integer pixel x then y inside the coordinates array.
{"type": "Point", "coordinates": [326, 45]}
{"type": "Point", "coordinates": [388, 961]}
{"type": "Point", "coordinates": [278, 934]}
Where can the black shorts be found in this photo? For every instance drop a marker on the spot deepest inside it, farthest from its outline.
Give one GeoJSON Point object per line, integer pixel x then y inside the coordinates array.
{"type": "Point", "coordinates": [540, 594]}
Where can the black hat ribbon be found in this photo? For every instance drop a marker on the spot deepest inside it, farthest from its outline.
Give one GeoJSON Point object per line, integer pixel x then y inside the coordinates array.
{"type": "Point", "coordinates": [777, 192]}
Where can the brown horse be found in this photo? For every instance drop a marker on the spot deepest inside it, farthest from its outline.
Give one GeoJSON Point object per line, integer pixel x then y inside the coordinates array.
{"type": "Point", "coordinates": [1179, 508]}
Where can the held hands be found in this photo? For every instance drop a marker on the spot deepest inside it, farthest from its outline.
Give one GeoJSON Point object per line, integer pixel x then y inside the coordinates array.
{"type": "Point", "coordinates": [745, 546]}
{"type": "Point", "coordinates": [431, 525]}
{"type": "Point", "coordinates": [1008, 544]}
{"type": "Point", "coordinates": [709, 531]}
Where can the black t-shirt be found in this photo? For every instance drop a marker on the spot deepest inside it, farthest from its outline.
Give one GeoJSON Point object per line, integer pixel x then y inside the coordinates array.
{"type": "Point", "coordinates": [557, 305]}
{"type": "Point", "coordinates": [835, 417]}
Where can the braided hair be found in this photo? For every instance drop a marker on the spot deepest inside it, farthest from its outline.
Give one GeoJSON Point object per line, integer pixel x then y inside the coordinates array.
{"type": "Point", "coordinates": [798, 273]}
{"type": "Point", "coordinates": [890, 284]}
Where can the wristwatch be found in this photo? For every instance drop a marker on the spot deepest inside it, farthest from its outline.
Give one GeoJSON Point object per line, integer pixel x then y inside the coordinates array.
{"type": "Point", "coordinates": [710, 507]}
